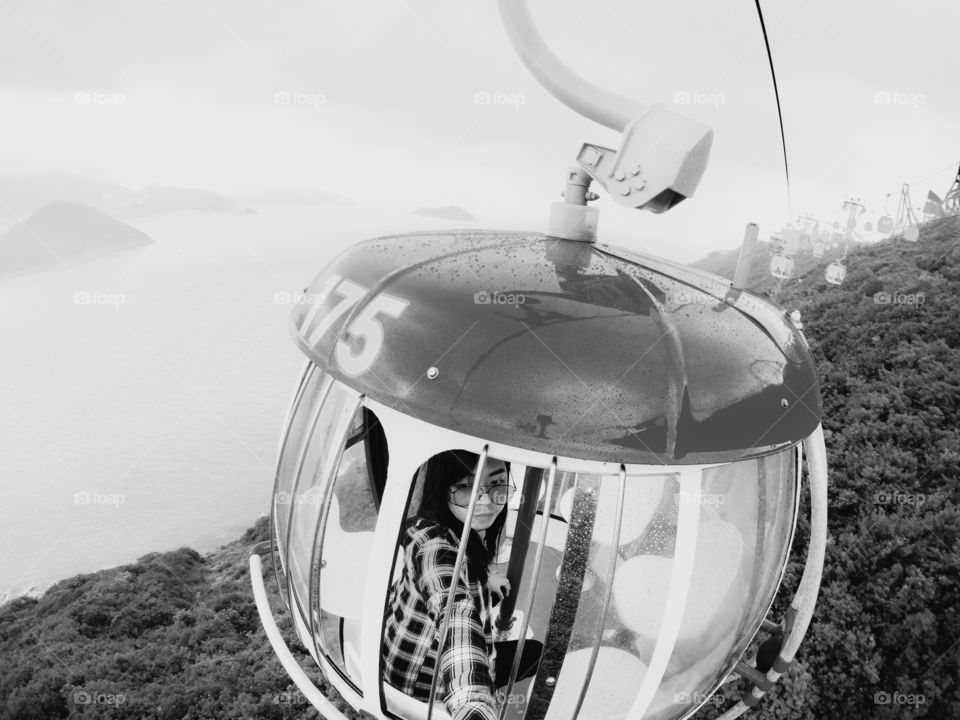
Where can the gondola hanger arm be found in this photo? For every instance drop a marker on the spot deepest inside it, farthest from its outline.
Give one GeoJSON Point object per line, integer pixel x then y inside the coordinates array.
{"type": "Point", "coordinates": [662, 154]}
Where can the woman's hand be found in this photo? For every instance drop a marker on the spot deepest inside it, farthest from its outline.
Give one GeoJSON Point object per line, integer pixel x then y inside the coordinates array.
{"type": "Point", "coordinates": [498, 585]}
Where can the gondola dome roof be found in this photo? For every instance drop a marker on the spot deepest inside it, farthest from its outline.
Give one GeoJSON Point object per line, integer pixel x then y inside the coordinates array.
{"type": "Point", "coordinates": [561, 347]}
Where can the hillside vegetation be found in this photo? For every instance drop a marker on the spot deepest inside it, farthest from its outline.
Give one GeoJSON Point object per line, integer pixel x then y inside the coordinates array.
{"type": "Point", "coordinates": [176, 635]}
{"type": "Point", "coordinates": [885, 640]}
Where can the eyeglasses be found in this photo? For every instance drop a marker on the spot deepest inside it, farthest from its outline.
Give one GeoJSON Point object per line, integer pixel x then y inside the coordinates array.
{"type": "Point", "coordinates": [498, 494]}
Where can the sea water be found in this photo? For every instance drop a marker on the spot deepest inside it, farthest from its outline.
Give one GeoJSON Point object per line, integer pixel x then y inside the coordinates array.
{"type": "Point", "coordinates": [142, 394]}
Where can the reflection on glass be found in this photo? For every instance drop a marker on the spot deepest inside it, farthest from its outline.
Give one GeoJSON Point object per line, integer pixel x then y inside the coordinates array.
{"type": "Point", "coordinates": [345, 541]}
{"type": "Point", "coordinates": [312, 483]}
{"type": "Point", "coordinates": [739, 541]}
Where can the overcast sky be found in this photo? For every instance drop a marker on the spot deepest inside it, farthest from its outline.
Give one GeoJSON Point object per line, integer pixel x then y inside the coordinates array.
{"type": "Point", "coordinates": [376, 99]}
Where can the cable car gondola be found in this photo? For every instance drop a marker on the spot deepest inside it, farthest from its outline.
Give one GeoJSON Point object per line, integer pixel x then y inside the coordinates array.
{"type": "Point", "coordinates": [885, 223]}
{"type": "Point", "coordinates": [658, 448]}
{"type": "Point", "coordinates": [782, 267]}
{"type": "Point", "coordinates": [836, 273]}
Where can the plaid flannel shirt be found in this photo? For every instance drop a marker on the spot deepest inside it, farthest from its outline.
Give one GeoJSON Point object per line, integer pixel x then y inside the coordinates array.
{"type": "Point", "coordinates": [413, 620]}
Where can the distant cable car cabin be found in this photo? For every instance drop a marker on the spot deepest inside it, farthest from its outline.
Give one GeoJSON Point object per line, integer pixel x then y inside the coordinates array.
{"type": "Point", "coordinates": [791, 241]}
{"type": "Point", "coordinates": [836, 273]}
{"type": "Point", "coordinates": [782, 267]}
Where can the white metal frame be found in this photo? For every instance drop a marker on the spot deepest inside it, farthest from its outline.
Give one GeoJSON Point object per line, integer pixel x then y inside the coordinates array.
{"type": "Point", "coordinates": [580, 95]}
{"type": "Point", "coordinates": [806, 596]}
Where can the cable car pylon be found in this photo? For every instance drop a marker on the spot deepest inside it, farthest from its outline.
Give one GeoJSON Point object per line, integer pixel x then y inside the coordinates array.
{"type": "Point", "coordinates": [906, 223]}
{"type": "Point", "coordinates": [951, 201]}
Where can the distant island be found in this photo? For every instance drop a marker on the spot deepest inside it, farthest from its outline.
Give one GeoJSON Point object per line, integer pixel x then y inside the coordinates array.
{"type": "Point", "coordinates": [303, 197]}
{"type": "Point", "coordinates": [25, 194]}
{"type": "Point", "coordinates": [155, 199]}
{"type": "Point", "coordinates": [64, 234]}
{"type": "Point", "coordinates": [446, 212]}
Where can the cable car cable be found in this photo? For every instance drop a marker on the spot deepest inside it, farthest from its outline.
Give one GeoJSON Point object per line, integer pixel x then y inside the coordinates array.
{"type": "Point", "coordinates": [935, 172]}
{"type": "Point", "coordinates": [776, 92]}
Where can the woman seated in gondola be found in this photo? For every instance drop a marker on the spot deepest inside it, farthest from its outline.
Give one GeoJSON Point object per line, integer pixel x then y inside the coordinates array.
{"type": "Point", "coordinates": [472, 666]}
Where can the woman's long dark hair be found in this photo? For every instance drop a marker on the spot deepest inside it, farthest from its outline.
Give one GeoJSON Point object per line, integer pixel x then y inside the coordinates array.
{"type": "Point", "coordinates": [443, 471]}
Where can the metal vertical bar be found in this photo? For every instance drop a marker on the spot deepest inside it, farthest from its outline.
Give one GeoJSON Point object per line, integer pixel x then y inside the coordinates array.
{"type": "Point", "coordinates": [675, 602]}
{"type": "Point", "coordinates": [458, 565]}
{"type": "Point", "coordinates": [611, 567]}
{"type": "Point", "coordinates": [534, 581]}
{"type": "Point", "coordinates": [741, 276]}
{"type": "Point", "coordinates": [521, 541]}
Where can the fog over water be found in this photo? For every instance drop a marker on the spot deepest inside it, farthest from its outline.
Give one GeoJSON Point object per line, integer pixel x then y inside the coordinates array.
{"type": "Point", "coordinates": [145, 393]}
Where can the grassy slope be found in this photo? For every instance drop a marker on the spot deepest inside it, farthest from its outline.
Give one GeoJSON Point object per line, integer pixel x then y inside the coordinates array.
{"type": "Point", "coordinates": [174, 635]}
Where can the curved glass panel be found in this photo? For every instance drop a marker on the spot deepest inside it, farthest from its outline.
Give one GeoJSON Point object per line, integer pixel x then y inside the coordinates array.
{"type": "Point", "coordinates": [344, 545]}
{"type": "Point", "coordinates": [297, 432]}
{"type": "Point", "coordinates": [608, 656]}
{"type": "Point", "coordinates": [314, 470]}
{"type": "Point", "coordinates": [746, 522]}
{"type": "Point", "coordinates": [697, 561]}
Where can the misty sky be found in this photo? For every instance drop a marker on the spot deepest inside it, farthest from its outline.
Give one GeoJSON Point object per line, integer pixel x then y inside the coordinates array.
{"type": "Point", "coordinates": [376, 100]}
